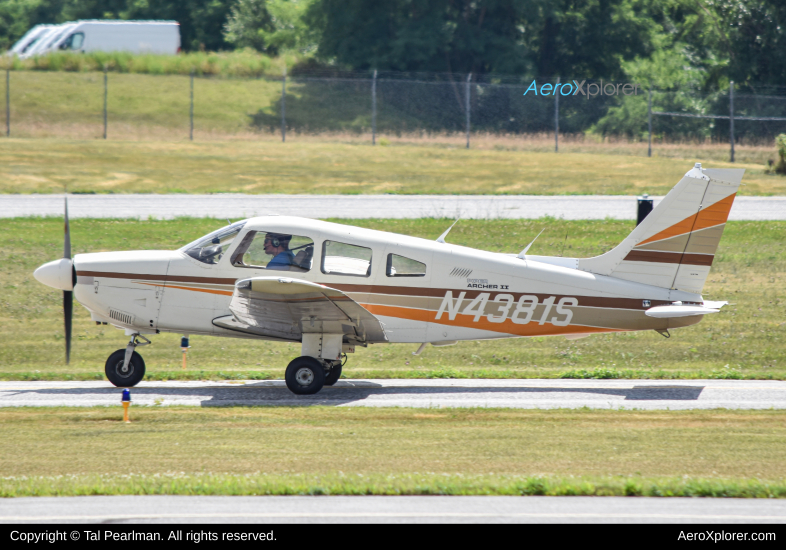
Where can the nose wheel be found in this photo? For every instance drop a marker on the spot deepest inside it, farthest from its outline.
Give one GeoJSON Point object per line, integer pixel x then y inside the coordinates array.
{"type": "Point", "coordinates": [125, 375]}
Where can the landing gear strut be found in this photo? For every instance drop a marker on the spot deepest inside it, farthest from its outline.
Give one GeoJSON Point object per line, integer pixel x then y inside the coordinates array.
{"type": "Point", "coordinates": [125, 367]}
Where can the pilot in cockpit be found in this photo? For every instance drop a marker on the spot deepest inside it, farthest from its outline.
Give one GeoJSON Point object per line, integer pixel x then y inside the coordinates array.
{"type": "Point", "coordinates": [277, 245]}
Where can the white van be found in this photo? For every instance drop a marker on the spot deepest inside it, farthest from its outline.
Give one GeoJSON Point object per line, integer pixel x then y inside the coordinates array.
{"type": "Point", "coordinates": [158, 37]}
{"type": "Point", "coordinates": [30, 38]}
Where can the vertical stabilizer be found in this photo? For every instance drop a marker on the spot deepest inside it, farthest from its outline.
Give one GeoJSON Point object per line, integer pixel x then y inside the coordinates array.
{"type": "Point", "coordinates": [675, 245]}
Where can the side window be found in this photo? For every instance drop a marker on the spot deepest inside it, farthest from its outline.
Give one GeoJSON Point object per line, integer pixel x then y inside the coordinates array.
{"type": "Point", "coordinates": [399, 266]}
{"type": "Point", "coordinates": [76, 41]}
{"type": "Point", "coordinates": [275, 251]}
{"type": "Point", "coordinates": [346, 259]}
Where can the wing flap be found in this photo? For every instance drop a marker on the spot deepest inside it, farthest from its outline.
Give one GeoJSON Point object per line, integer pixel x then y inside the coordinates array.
{"type": "Point", "coordinates": [282, 307]}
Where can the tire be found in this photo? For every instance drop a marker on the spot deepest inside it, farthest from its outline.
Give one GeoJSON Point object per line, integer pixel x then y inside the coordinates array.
{"type": "Point", "coordinates": [305, 376]}
{"type": "Point", "coordinates": [333, 376]}
{"type": "Point", "coordinates": [114, 365]}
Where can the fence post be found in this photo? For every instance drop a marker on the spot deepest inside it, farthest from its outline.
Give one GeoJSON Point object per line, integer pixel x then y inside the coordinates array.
{"type": "Point", "coordinates": [556, 117]}
{"type": "Point", "coordinates": [731, 118]}
{"type": "Point", "coordinates": [105, 96]}
{"type": "Point", "coordinates": [284, 106]}
{"type": "Point", "coordinates": [649, 123]}
{"type": "Point", "coordinates": [191, 109]}
{"type": "Point", "coordinates": [374, 109]}
{"type": "Point", "coordinates": [469, 77]}
{"type": "Point", "coordinates": [8, 103]}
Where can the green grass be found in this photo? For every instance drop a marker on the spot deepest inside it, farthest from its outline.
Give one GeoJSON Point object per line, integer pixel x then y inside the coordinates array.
{"type": "Point", "coordinates": [746, 340]}
{"type": "Point", "coordinates": [251, 166]}
{"type": "Point", "coordinates": [322, 450]}
{"type": "Point", "coordinates": [238, 64]}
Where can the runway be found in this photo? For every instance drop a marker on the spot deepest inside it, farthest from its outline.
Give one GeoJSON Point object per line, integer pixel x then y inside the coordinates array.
{"type": "Point", "coordinates": [520, 394]}
{"type": "Point", "coordinates": [237, 206]}
{"type": "Point", "coordinates": [380, 509]}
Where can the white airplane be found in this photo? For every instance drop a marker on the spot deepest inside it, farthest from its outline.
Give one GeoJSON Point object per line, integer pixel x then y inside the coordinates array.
{"type": "Point", "coordinates": [333, 287]}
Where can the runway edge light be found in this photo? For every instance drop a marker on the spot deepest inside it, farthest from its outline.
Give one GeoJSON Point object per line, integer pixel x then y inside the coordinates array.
{"type": "Point", "coordinates": [184, 346]}
{"type": "Point", "coordinates": [126, 402]}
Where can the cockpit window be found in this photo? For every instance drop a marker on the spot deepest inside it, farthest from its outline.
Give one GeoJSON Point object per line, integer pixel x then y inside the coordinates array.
{"type": "Point", "coordinates": [211, 248]}
{"type": "Point", "coordinates": [274, 250]}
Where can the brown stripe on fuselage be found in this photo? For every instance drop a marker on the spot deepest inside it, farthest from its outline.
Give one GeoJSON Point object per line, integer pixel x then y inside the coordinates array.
{"type": "Point", "coordinates": [668, 257]}
{"type": "Point", "coordinates": [585, 301]}
{"type": "Point", "coordinates": [155, 277]}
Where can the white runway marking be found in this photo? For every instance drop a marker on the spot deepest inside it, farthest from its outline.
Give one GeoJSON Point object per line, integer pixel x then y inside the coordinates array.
{"type": "Point", "coordinates": [524, 394]}
{"type": "Point", "coordinates": [235, 206]}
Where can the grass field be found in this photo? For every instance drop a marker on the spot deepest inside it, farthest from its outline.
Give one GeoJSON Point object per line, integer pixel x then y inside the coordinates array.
{"type": "Point", "coordinates": [320, 450]}
{"type": "Point", "coordinates": [746, 340]}
{"type": "Point", "coordinates": [428, 167]}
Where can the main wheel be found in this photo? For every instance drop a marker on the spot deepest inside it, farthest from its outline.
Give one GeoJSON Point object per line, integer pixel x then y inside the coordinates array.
{"type": "Point", "coordinates": [305, 376]}
{"type": "Point", "coordinates": [129, 377]}
{"type": "Point", "coordinates": [333, 376]}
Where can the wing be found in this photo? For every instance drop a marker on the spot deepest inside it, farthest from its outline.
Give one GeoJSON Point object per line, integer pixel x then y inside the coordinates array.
{"type": "Point", "coordinates": [284, 308]}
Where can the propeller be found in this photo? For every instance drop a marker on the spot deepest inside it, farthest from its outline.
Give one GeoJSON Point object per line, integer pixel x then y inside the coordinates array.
{"type": "Point", "coordinates": [68, 295]}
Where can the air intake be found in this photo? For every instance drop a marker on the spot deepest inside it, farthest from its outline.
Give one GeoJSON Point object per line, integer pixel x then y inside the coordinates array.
{"type": "Point", "coordinates": [121, 317]}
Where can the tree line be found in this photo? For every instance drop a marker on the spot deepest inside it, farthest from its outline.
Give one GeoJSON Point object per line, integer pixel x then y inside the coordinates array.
{"type": "Point", "coordinates": [665, 43]}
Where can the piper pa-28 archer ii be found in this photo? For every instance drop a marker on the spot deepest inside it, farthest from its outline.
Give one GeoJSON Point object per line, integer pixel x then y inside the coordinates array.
{"type": "Point", "coordinates": [333, 287]}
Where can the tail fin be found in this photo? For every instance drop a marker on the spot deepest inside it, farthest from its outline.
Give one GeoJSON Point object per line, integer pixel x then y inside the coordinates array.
{"type": "Point", "coordinates": [674, 246]}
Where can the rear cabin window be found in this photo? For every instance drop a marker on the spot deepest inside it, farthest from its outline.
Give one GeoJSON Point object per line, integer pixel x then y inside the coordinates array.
{"type": "Point", "coordinates": [345, 259]}
{"type": "Point", "coordinates": [274, 251]}
{"type": "Point", "coordinates": [399, 266]}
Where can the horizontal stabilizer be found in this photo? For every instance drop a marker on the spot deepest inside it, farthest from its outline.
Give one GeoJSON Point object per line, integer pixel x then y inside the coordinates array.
{"type": "Point", "coordinates": [669, 312]}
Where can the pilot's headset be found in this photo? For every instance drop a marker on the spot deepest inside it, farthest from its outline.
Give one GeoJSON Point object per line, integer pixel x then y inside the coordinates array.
{"type": "Point", "coordinates": [278, 240]}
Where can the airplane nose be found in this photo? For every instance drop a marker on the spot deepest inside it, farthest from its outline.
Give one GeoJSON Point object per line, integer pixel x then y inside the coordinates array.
{"type": "Point", "coordinates": [57, 274]}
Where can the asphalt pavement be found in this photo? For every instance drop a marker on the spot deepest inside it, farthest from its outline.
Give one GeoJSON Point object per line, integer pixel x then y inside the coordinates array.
{"type": "Point", "coordinates": [524, 394]}
{"type": "Point", "coordinates": [238, 206]}
{"type": "Point", "coordinates": [381, 509]}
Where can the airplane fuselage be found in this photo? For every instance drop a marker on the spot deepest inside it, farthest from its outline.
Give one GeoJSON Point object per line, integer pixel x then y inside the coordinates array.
{"type": "Point", "coordinates": [461, 294]}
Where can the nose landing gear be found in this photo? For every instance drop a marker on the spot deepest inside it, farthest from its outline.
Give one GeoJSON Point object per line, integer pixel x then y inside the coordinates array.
{"type": "Point", "coordinates": [125, 367]}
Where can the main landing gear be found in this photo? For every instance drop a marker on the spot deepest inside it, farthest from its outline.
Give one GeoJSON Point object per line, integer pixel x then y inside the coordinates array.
{"type": "Point", "coordinates": [125, 367]}
{"type": "Point", "coordinates": [307, 375]}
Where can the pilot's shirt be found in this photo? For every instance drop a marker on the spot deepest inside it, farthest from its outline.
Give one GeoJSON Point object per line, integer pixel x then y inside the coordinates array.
{"type": "Point", "coordinates": [282, 261]}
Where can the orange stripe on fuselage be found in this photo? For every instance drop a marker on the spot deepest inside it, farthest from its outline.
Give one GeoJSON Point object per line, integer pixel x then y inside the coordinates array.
{"type": "Point", "coordinates": [715, 214]}
{"type": "Point", "coordinates": [507, 327]}
{"type": "Point", "coordinates": [207, 290]}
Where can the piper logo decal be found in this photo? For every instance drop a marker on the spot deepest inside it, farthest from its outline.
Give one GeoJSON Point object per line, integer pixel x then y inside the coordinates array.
{"type": "Point", "coordinates": [519, 311]}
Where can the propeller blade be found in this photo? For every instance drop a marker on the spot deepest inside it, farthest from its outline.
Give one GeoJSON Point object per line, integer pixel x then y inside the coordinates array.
{"type": "Point", "coordinates": [68, 313]}
{"type": "Point", "coordinates": [67, 242]}
{"type": "Point", "coordinates": [68, 295]}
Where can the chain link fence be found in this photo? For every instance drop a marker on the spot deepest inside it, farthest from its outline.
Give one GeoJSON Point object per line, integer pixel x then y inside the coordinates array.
{"type": "Point", "coordinates": [375, 104]}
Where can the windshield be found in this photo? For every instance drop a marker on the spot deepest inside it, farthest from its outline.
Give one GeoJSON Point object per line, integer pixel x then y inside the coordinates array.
{"type": "Point", "coordinates": [211, 248]}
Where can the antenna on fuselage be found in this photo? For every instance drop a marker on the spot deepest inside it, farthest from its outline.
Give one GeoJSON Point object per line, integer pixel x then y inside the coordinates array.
{"type": "Point", "coordinates": [523, 253]}
{"type": "Point", "coordinates": [441, 238]}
